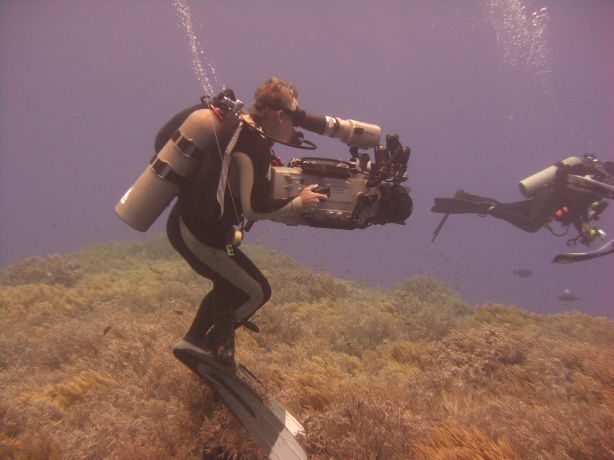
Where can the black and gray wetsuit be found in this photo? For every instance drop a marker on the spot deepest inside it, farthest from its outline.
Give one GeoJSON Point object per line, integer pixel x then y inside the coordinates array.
{"type": "Point", "coordinates": [198, 232]}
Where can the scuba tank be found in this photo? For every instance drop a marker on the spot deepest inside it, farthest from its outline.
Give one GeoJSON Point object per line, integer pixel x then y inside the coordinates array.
{"type": "Point", "coordinates": [204, 132]}
{"type": "Point", "coordinates": [535, 182]}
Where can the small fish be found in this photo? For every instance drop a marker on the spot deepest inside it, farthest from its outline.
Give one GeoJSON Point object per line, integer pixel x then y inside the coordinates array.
{"type": "Point", "coordinates": [567, 296]}
{"type": "Point", "coordinates": [523, 272]}
{"type": "Point", "coordinates": [179, 312]}
{"type": "Point", "coordinates": [106, 329]}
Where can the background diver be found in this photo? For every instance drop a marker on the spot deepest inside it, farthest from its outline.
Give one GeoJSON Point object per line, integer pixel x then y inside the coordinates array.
{"type": "Point", "coordinates": [571, 192]}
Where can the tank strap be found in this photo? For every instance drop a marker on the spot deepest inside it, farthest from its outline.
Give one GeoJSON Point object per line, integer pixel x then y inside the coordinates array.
{"type": "Point", "coordinates": [221, 185]}
{"type": "Point", "coordinates": [187, 146]}
{"type": "Point", "coordinates": [164, 171]}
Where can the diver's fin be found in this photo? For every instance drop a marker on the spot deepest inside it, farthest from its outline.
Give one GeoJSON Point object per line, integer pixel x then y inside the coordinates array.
{"type": "Point", "coordinates": [265, 427]}
{"type": "Point", "coordinates": [290, 422]}
{"type": "Point", "coordinates": [460, 203]}
{"type": "Point", "coordinates": [461, 206]}
{"type": "Point", "coordinates": [570, 257]}
{"type": "Point", "coordinates": [439, 227]}
{"type": "Point", "coordinates": [444, 219]}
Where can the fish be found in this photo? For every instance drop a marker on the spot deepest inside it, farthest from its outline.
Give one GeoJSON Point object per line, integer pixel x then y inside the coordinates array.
{"type": "Point", "coordinates": [106, 329]}
{"type": "Point", "coordinates": [523, 272]}
{"type": "Point", "coordinates": [567, 296]}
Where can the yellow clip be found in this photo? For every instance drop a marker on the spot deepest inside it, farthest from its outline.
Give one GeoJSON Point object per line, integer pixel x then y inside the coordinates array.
{"type": "Point", "coordinates": [230, 250]}
{"type": "Point", "coordinates": [238, 237]}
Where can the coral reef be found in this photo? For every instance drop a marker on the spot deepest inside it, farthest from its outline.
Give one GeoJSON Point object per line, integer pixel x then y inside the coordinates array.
{"type": "Point", "coordinates": [411, 372]}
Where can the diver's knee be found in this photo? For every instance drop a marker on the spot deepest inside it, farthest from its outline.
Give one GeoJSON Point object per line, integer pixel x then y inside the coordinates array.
{"type": "Point", "coordinates": [266, 291]}
{"type": "Point", "coordinates": [256, 299]}
{"type": "Point", "coordinates": [531, 227]}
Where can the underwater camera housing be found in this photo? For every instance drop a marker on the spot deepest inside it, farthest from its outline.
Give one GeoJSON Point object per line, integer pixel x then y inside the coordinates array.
{"type": "Point", "coordinates": [360, 192]}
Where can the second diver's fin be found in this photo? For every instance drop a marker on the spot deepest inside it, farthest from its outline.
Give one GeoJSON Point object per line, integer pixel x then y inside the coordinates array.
{"type": "Point", "coordinates": [460, 203]}
{"type": "Point", "coordinates": [570, 257]}
{"type": "Point", "coordinates": [443, 220]}
{"type": "Point", "coordinates": [447, 206]}
{"type": "Point", "coordinates": [461, 206]}
{"type": "Point", "coordinates": [439, 227]}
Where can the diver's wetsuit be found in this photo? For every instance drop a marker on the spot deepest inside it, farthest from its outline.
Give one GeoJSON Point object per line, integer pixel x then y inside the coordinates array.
{"type": "Point", "coordinates": [529, 215]}
{"type": "Point", "coordinates": [196, 231]}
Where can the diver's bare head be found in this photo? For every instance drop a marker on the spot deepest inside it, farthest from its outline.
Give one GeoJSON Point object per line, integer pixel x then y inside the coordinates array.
{"type": "Point", "coordinates": [273, 100]}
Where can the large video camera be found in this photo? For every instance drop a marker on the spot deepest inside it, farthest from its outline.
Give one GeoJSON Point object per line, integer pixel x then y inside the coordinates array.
{"type": "Point", "coordinates": [361, 192]}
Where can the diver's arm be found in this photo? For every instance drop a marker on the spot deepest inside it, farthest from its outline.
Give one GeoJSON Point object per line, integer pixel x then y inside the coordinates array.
{"type": "Point", "coordinates": [254, 192]}
{"type": "Point", "coordinates": [261, 199]}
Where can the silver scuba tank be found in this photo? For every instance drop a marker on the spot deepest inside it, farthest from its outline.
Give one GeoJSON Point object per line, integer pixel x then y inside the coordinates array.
{"type": "Point", "coordinates": [203, 132]}
{"type": "Point", "coordinates": [532, 184]}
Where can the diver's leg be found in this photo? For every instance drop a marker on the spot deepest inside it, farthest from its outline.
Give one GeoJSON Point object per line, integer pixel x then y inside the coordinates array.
{"type": "Point", "coordinates": [243, 291]}
{"type": "Point", "coordinates": [205, 317]}
{"type": "Point", "coordinates": [258, 289]}
{"type": "Point", "coordinates": [239, 290]}
{"type": "Point", "coordinates": [220, 339]}
{"type": "Point", "coordinates": [529, 215]}
{"type": "Point", "coordinates": [518, 214]}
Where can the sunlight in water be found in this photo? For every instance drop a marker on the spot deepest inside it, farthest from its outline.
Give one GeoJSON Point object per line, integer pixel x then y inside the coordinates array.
{"type": "Point", "coordinates": [198, 55]}
{"type": "Point", "coordinates": [522, 35]}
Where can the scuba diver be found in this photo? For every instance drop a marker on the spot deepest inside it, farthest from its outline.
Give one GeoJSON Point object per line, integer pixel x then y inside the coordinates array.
{"type": "Point", "coordinates": [218, 162]}
{"type": "Point", "coordinates": [202, 228]}
{"type": "Point", "coordinates": [570, 192]}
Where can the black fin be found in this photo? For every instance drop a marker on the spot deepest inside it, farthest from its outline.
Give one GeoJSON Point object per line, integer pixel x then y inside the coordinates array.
{"type": "Point", "coordinates": [460, 206]}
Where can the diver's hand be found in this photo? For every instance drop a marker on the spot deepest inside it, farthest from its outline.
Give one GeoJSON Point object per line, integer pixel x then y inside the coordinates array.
{"type": "Point", "coordinates": [310, 199]}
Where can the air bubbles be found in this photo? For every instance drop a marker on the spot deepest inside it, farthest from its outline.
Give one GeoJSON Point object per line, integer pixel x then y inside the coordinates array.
{"type": "Point", "coordinates": [522, 36]}
{"type": "Point", "coordinates": [184, 14]}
